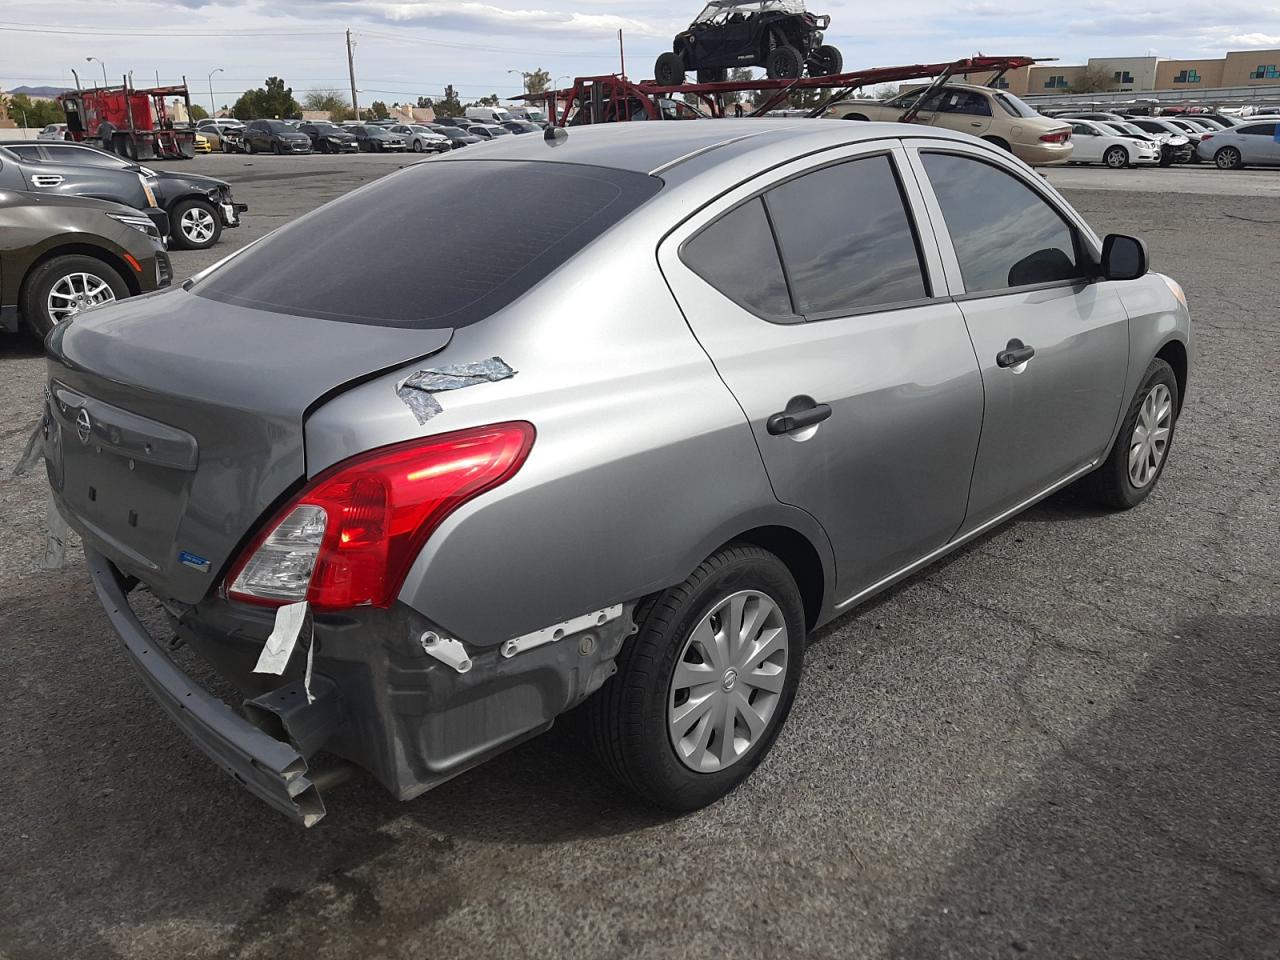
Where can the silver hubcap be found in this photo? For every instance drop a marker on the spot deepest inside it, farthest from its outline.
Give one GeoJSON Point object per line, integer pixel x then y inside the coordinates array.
{"type": "Point", "coordinates": [76, 292]}
{"type": "Point", "coordinates": [1115, 159]}
{"type": "Point", "coordinates": [1150, 437]}
{"type": "Point", "coordinates": [197, 224]}
{"type": "Point", "coordinates": [1227, 158]}
{"type": "Point", "coordinates": [727, 681]}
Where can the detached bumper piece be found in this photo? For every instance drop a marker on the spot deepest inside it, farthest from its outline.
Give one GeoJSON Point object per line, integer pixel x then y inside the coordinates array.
{"type": "Point", "coordinates": [269, 768]}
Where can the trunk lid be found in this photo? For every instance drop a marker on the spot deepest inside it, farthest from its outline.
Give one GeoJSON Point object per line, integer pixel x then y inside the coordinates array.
{"type": "Point", "coordinates": [176, 422]}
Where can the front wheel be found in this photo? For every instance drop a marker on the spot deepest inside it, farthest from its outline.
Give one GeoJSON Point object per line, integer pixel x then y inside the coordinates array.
{"type": "Point", "coordinates": [704, 687]}
{"type": "Point", "coordinates": [669, 70]}
{"type": "Point", "coordinates": [1116, 157]}
{"type": "Point", "coordinates": [65, 287]}
{"type": "Point", "coordinates": [1228, 158]}
{"type": "Point", "coordinates": [417, 146]}
{"type": "Point", "coordinates": [276, 148]}
{"type": "Point", "coordinates": [1137, 458]}
{"type": "Point", "coordinates": [783, 63]}
{"type": "Point", "coordinates": [197, 223]}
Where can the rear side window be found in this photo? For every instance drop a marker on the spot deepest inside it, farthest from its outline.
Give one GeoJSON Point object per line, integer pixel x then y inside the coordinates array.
{"type": "Point", "coordinates": [737, 255]}
{"type": "Point", "coordinates": [28, 151]}
{"type": "Point", "coordinates": [846, 240]}
{"type": "Point", "coordinates": [1259, 130]}
{"type": "Point", "coordinates": [1004, 234]}
{"type": "Point", "coordinates": [432, 246]}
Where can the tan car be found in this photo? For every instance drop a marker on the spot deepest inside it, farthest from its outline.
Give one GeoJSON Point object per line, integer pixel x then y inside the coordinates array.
{"type": "Point", "coordinates": [994, 115]}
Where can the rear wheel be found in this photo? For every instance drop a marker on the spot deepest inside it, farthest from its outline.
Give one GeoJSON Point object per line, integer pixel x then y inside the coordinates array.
{"type": "Point", "coordinates": [196, 224]}
{"type": "Point", "coordinates": [827, 61]}
{"type": "Point", "coordinates": [1137, 459]}
{"type": "Point", "coordinates": [855, 116]}
{"type": "Point", "coordinates": [783, 63]}
{"type": "Point", "coordinates": [999, 142]}
{"type": "Point", "coordinates": [124, 145]}
{"type": "Point", "coordinates": [1116, 157]}
{"type": "Point", "coordinates": [703, 689]}
{"type": "Point", "coordinates": [669, 70]}
{"type": "Point", "coordinates": [417, 146]}
{"type": "Point", "coordinates": [64, 287]}
{"type": "Point", "coordinates": [1228, 158]}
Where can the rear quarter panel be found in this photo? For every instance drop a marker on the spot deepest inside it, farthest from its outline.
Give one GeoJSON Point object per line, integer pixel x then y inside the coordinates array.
{"type": "Point", "coordinates": [643, 462]}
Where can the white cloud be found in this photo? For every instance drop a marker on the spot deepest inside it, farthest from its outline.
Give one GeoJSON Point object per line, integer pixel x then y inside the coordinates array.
{"type": "Point", "coordinates": [1254, 40]}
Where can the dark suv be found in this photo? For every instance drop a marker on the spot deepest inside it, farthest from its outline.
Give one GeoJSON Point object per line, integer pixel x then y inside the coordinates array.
{"type": "Point", "coordinates": [779, 35]}
{"type": "Point", "coordinates": [274, 136]}
{"type": "Point", "coordinates": [64, 254]}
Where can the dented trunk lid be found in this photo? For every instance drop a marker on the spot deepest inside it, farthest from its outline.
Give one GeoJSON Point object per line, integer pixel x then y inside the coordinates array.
{"type": "Point", "coordinates": [175, 422]}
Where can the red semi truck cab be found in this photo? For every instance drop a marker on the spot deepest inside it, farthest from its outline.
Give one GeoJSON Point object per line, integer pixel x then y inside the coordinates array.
{"type": "Point", "coordinates": [131, 122]}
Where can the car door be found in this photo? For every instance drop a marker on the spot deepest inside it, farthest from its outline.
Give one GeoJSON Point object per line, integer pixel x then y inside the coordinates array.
{"type": "Point", "coordinates": [824, 310]}
{"type": "Point", "coordinates": [1052, 340]}
{"type": "Point", "coordinates": [1258, 144]}
{"type": "Point", "coordinates": [80, 172]}
{"type": "Point", "coordinates": [965, 110]}
{"type": "Point", "coordinates": [1086, 144]}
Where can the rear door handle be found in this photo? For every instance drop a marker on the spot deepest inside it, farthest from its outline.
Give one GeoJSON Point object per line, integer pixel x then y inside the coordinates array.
{"type": "Point", "coordinates": [802, 411]}
{"type": "Point", "coordinates": [1014, 353]}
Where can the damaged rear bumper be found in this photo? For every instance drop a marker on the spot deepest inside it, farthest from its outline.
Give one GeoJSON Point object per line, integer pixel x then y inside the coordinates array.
{"type": "Point", "coordinates": [269, 768]}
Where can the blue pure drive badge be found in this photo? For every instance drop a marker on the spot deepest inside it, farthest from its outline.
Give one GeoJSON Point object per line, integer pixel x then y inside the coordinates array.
{"type": "Point", "coordinates": [191, 560]}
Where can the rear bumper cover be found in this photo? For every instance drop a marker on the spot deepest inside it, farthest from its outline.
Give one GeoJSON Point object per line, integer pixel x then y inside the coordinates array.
{"type": "Point", "coordinates": [268, 768]}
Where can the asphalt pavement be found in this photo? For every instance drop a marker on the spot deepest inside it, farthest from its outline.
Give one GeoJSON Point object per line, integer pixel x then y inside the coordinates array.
{"type": "Point", "coordinates": [1062, 741]}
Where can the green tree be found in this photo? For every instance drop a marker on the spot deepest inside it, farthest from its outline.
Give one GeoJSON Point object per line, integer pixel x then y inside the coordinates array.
{"type": "Point", "coordinates": [424, 103]}
{"type": "Point", "coordinates": [35, 113]}
{"type": "Point", "coordinates": [378, 110]}
{"type": "Point", "coordinates": [491, 100]}
{"type": "Point", "coordinates": [273, 100]}
{"type": "Point", "coordinates": [198, 112]}
{"type": "Point", "coordinates": [536, 81]}
{"type": "Point", "coordinates": [327, 100]}
{"type": "Point", "coordinates": [448, 105]}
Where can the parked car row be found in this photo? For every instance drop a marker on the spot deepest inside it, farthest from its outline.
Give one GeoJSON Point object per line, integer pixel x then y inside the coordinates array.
{"type": "Point", "coordinates": [1227, 142]}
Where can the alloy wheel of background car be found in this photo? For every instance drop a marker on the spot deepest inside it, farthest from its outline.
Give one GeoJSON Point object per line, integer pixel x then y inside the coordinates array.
{"type": "Point", "coordinates": [637, 720]}
{"type": "Point", "coordinates": [63, 287]}
{"type": "Point", "coordinates": [1150, 437]}
{"type": "Point", "coordinates": [1116, 157]}
{"type": "Point", "coordinates": [198, 226]}
{"type": "Point", "coordinates": [417, 146]}
{"type": "Point", "coordinates": [1141, 449]}
{"type": "Point", "coordinates": [727, 681]}
{"type": "Point", "coordinates": [784, 63]}
{"type": "Point", "coordinates": [1228, 158]}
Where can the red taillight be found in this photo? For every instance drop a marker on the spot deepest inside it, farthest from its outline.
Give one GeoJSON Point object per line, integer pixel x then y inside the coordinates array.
{"type": "Point", "coordinates": [349, 538]}
{"type": "Point", "coordinates": [1062, 136]}
{"type": "Point", "coordinates": [1205, 136]}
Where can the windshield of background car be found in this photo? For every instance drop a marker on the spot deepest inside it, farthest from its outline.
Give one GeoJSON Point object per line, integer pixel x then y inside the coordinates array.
{"type": "Point", "coordinates": [1013, 106]}
{"type": "Point", "coordinates": [368, 256]}
{"type": "Point", "coordinates": [327, 129]}
{"type": "Point", "coordinates": [275, 126]}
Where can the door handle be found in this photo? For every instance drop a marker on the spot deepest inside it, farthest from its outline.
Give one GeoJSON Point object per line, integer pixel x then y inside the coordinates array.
{"type": "Point", "coordinates": [802, 411]}
{"type": "Point", "coordinates": [975, 123]}
{"type": "Point", "coordinates": [1014, 353]}
{"type": "Point", "coordinates": [45, 179]}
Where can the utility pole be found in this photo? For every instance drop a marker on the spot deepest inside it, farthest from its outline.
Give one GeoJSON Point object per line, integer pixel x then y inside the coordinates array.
{"type": "Point", "coordinates": [351, 70]}
{"type": "Point", "coordinates": [622, 60]}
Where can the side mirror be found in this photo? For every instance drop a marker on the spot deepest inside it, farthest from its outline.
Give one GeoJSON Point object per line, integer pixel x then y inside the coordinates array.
{"type": "Point", "coordinates": [1123, 258]}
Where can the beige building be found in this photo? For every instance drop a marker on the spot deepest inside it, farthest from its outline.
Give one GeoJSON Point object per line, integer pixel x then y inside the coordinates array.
{"type": "Point", "coordinates": [1241, 68]}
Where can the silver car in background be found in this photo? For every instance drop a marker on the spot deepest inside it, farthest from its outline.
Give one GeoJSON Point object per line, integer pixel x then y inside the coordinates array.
{"type": "Point", "coordinates": [718, 384]}
{"type": "Point", "coordinates": [1249, 144]}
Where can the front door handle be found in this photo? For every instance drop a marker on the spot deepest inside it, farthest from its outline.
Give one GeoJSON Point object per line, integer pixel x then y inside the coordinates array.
{"type": "Point", "coordinates": [1015, 352]}
{"type": "Point", "coordinates": [802, 411]}
{"type": "Point", "coordinates": [45, 179]}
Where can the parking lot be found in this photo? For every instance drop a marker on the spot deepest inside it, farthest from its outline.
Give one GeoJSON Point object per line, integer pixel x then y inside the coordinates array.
{"type": "Point", "coordinates": [1062, 741]}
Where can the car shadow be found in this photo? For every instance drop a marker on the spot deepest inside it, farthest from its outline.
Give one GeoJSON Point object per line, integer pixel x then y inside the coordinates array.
{"type": "Point", "coordinates": [1151, 834]}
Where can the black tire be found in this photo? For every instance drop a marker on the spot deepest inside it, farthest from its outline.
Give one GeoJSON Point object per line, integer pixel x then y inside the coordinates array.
{"type": "Point", "coordinates": [783, 63]}
{"type": "Point", "coordinates": [717, 75]}
{"type": "Point", "coordinates": [855, 116]}
{"type": "Point", "coordinates": [248, 145]}
{"type": "Point", "coordinates": [999, 142]}
{"type": "Point", "coordinates": [1166, 159]}
{"type": "Point", "coordinates": [627, 718]}
{"type": "Point", "coordinates": [124, 145]}
{"type": "Point", "coordinates": [417, 146]}
{"type": "Point", "coordinates": [827, 61]}
{"type": "Point", "coordinates": [41, 280]}
{"type": "Point", "coordinates": [1116, 157]}
{"type": "Point", "coordinates": [669, 70]}
{"type": "Point", "coordinates": [1228, 158]}
{"type": "Point", "coordinates": [1110, 485]}
{"type": "Point", "coordinates": [181, 239]}
{"type": "Point", "coordinates": [276, 148]}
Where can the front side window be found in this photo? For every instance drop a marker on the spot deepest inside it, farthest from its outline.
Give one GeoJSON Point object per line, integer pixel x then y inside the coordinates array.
{"type": "Point", "coordinates": [846, 240]}
{"type": "Point", "coordinates": [737, 255]}
{"type": "Point", "coordinates": [1003, 232]}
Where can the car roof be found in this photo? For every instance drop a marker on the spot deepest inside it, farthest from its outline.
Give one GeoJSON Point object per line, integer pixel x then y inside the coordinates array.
{"type": "Point", "coordinates": [655, 147]}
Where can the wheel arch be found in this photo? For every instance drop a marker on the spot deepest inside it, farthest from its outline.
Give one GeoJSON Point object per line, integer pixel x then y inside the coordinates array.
{"type": "Point", "coordinates": [80, 248]}
{"type": "Point", "coordinates": [1174, 353]}
{"type": "Point", "coordinates": [800, 557]}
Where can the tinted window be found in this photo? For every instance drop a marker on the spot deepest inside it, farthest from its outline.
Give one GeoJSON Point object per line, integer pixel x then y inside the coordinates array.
{"type": "Point", "coordinates": [27, 151]}
{"type": "Point", "coordinates": [1003, 233]}
{"type": "Point", "coordinates": [738, 257]}
{"type": "Point", "coordinates": [845, 238]}
{"type": "Point", "coordinates": [1013, 106]}
{"type": "Point", "coordinates": [84, 157]}
{"type": "Point", "coordinates": [965, 101]}
{"type": "Point", "coordinates": [431, 246]}
{"type": "Point", "coordinates": [1258, 130]}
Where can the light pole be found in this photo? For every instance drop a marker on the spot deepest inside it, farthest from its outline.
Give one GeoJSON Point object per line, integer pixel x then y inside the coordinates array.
{"type": "Point", "coordinates": [524, 84]}
{"type": "Point", "coordinates": [104, 69]}
{"type": "Point", "coordinates": [212, 109]}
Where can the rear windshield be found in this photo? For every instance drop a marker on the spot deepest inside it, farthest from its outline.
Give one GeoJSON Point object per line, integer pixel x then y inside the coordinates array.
{"type": "Point", "coordinates": [432, 246]}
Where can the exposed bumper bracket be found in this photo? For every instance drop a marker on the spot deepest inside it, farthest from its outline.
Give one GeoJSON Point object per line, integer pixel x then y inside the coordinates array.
{"type": "Point", "coordinates": [558, 631]}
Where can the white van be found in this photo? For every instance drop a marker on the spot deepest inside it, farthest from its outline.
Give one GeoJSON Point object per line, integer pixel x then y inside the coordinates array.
{"type": "Point", "coordinates": [532, 114]}
{"type": "Point", "coordinates": [488, 114]}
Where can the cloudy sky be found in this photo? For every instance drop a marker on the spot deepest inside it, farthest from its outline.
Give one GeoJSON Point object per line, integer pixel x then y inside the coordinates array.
{"type": "Point", "coordinates": [409, 48]}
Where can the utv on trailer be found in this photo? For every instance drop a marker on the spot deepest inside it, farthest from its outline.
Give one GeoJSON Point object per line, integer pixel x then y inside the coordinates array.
{"type": "Point", "coordinates": [779, 35]}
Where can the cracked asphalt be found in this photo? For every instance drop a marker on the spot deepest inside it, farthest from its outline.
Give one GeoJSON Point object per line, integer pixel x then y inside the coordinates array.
{"type": "Point", "coordinates": [1062, 741]}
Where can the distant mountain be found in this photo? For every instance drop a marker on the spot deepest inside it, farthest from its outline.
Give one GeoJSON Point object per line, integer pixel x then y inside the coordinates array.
{"type": "Point", "coordinates": [38, 91]}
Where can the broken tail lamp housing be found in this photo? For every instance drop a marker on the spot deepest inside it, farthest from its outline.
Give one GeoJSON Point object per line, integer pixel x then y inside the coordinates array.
{"type": "Point", "coordinates": [349, 537]}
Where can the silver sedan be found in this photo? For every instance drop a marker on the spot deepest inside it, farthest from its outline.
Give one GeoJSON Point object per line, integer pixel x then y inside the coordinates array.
{"type": "Point", "coordinates": [615, 418]}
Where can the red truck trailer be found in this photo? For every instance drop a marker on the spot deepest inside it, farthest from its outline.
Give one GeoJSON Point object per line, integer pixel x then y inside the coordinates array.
{"type": "Point", "coordinates": [131, 122]}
